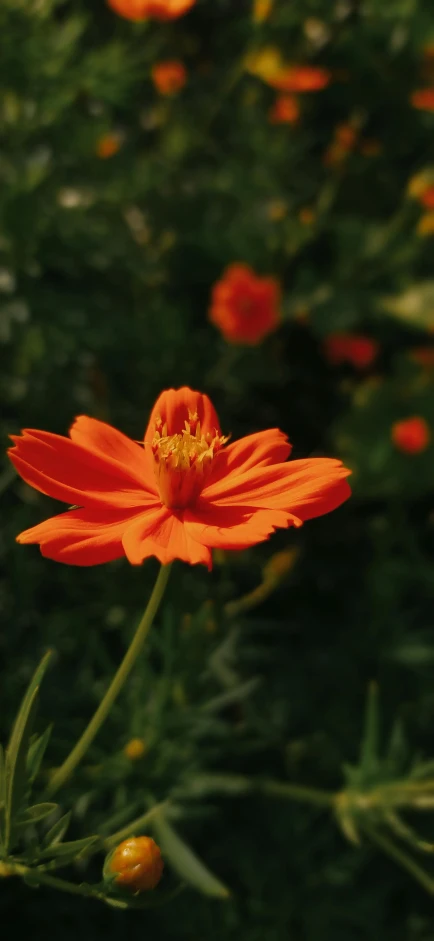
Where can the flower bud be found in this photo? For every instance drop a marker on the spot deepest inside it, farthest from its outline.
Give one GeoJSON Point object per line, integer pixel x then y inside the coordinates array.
{"type": "Point", "coordinates": [135, 749]}
{"type": "Point", "coordinates": [136, 864]}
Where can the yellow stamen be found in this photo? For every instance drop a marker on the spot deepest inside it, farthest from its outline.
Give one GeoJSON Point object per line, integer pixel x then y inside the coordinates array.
{"type": "Point", "coordinates": [183, 461]}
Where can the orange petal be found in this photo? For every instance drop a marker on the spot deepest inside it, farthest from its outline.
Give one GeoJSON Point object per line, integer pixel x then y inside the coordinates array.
{"type": "Point", "coordinates": [162, 533]}
{"type": "Point", "coordinates": [66, 471]}
{"type": "Point", "coordinates": [173, 407]}
{"type": "Point", "coordinates": [257, 450]}
{"type": "Point", "coordinates": [80, 537]}
{"type": "Point", "coordinates": [113, 447]}
{"type": "Point", "coordinates": [305, 488]}
{"type": "Point", "coordinates": [234, 527]}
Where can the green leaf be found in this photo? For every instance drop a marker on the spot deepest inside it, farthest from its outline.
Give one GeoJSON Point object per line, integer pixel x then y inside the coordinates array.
{"type": "Point", "coordinates": [68, 852]}
{"type": "Point", "coordinates": [188, 866]}
{"type": "Point", "coordinates": [369, 759]}
{"type": "Point", "coordinates": [15, 764]}
{"type": "Point", "coordinates": [36, 813]}
{"type": "Point", "coordinates": [57, 832]}
{"type": "Point", "coordinates": [36, 753]}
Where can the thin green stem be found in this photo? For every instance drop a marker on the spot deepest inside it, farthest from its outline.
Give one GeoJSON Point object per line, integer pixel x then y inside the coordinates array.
{"type": "Point", "coordinates": [63, 773]}
{"type": "Point", "coordinates": [395, 853]}
{"type": "Point", "coordinates": [135, 826]}
{"type": "Point", "coordinates": [297, 792]}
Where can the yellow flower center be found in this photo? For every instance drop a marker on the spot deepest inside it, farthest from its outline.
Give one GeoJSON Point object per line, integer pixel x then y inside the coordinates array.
{"type": "Point", "coordinates": [183, 461]}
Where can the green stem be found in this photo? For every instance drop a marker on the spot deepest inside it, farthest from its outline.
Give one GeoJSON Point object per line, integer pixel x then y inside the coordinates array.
{"type": "Point", "coordinates": [63, 773]}
{"type": "Point", "coordinates": [395, 853]}
{"type": "Point", "coordinates": [309, 795]}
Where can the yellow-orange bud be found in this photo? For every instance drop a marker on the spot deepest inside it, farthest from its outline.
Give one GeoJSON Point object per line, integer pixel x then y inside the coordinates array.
{"type": "Point", "coordinates": [136, 864]}
{"type": "Point", "coordinates": [135, 749]}
{"type": "Point", "coordinates": [280, 564]}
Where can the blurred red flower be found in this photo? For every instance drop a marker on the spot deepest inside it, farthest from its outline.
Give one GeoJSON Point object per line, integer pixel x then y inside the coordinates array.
{"type": "Point", "coordinates": [427, 197]}
{"type": "Point", "coordinates": [151, 9]}
{"type": "Point", "coordinates": [244, 306]}
{"type": "Point", "coordinates": [108, 145]}
{"type": "Point", "coordinates": [423, 99]}
{"type": "Point", "coordinates": [177, 497]}
{"type": "Point", "coordinates": [300, 78]}
{"type": "Point", "coordinates": [411, 435]}
{"type": "Point", "coordinates": [285, 110]}
{"type": "Point", "coordinates": [352, 348]}
{"type": "Point", "coordinates": [169, 77]}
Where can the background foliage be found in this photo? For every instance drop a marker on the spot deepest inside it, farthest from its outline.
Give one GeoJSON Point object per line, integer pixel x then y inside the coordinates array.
{"type": "Point", "coordinates": [106, 268]}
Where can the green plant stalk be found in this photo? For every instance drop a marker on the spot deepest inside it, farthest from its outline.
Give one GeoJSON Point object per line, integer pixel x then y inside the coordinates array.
{"type": "Point", "coordinates": [64, 772]}
{"type": "Point", "coordinates": [398, 855]}
{"type": "Point", "coordinates": [297, 792]}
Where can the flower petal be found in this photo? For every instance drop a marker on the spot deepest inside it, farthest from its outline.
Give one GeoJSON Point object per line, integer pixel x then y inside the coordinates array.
{"type": "Point", "coordinates": [66, 471]}
{"type": "Point", "coordinates": [234, 527]}
{"type": "Point", "coordinates": [113, 447]}
{"type": "Point", "coordinates": [162, 533]}
{"type": "Point", "coordinates": [80, 537]}
{"type": "Point", "coordinates": [173, 407]}
{"type": "Point", "coordinates": [257, 450]}
{"type": "Point", "coordinates": [305, 488]}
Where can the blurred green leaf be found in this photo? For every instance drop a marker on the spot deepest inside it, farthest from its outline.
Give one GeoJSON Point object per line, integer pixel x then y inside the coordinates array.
{"type": "Point", "coordinates": [185, 862]}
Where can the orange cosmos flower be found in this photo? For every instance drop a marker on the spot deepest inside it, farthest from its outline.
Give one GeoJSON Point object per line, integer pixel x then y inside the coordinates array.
{"type": "Point", "coordinates": [285, 110]}
{"type": "Point", "coordinates": [108, 145]}
{"type": "Point", "coordinates": [411, 435]}
{"type": "Point", "coordinates": [427, 197]}
{"type": "Point", "coordinates": [244, 306]}
{"type": "Point", "coordinates": [182, 494]}
{"type": "Point", "coordinates": [423, 99]}
{"type": "Point", "coordinates": [151, 9]}
{"type": "Point", "coordinates": [300, 78]}
{"type": "Point", "coordinates": [352, 348]}
{"type": "Point", "coordinates": [169, 77]}
{"type": "Point", "coordinates": [423, 356]}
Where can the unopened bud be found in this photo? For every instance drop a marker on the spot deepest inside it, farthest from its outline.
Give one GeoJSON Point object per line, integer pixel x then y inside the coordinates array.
{"type": "Point", "coordinates": [136, 864]}
{"type": "Point", "coordinates": [280, 565]}
{"type": "Point", "coordinates": [135, 749]}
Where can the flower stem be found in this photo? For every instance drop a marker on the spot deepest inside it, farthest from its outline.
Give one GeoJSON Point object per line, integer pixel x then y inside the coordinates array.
{"type": "Point", "coordinates": [63, 773]}
{"type": "Point", "coordinates": [298, 792]}
{"type": "Point", "coordinates": [403, 860]}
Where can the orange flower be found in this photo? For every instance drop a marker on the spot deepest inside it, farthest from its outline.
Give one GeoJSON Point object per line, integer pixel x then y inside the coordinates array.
{"type": "Point", "coordinates": [427, 197]}
{"type": "Point", "coordinates": [151, 9]}
{"type": "Point", "coordinates": [411, 435]}
{"type": "Point", "coordinates": [244, 306]}
{"type": "Point", "coordinates": [285, 110]}
{"type": "Point", "coordinates": [423, 99]}
{"type": "Point", "coordinates": [169, 77]}
{"type": "Point", "coordinates": [108, 145]}
{"type": "Point", "coordinates": [300, 78]}
{"type": "Point", "coordinates": [352, 348]}
{"type": "Point", "coordinates": [182, 494]}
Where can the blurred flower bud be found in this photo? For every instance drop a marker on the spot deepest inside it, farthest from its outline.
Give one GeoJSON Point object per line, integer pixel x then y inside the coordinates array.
{"type": "Point", "coordinates": [411, 435]}
{"type": "Point", "coordinates": [262, 10]}
{"type": "Point", "coordinates": [280, 565]}
{"type": "Point", "coordinates": [135, 749]}
{"type": "Point", "coordinates": [136, 864]}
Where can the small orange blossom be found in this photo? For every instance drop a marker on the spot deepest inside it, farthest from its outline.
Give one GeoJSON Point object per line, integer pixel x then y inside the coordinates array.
{"type": "Point", "coordinates": [423, 99]}
{"type": "Point", "coordinates": [411, 435]}
{"type": "Point", "coordinates": [151, 9]}
{"type": "Point", "coordinates": [245, 306]}
{"type": "Point", "coordinates": [183, 493]}
{"type": "Point", "coordinates": [108, 145]}
{"type": "Point", "coordinates": [169, 77]}
{"type": "Point", "coordinates": [352, 348]}
{"type": "Point", "coordinates": [285, 110]}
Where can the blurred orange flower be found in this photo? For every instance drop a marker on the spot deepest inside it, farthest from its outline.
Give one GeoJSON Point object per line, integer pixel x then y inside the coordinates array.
{"type": "Point", "coordinates": [425, 225]}
{"type": "Point", "coordinates": [411, 435]}
{"type": "Point", "coordinates": [181, 494]}
{"type": "Point", "coordinates": [108, 145]}
{"type": "Point", "coordinates": [151, 9]}
{"type": "Point", "coordinates": [244, 306]}
{"type": "Point", "coordinates": [344, 141]}
{"type": "Point", "coordinates": [423, 99]}
{"type": "Point", "coordinates": [300, 78]}
{"type": "Point", "coordinates": [262, 10]}
{"type": "Point", "coordinates": [359, 350]}
{"type": "Point", "coordinates": [426, 197]}
{"type": "Point", "coordinates": [169, 77]}
{"type": "Point", "coordinates": [285, 110]}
